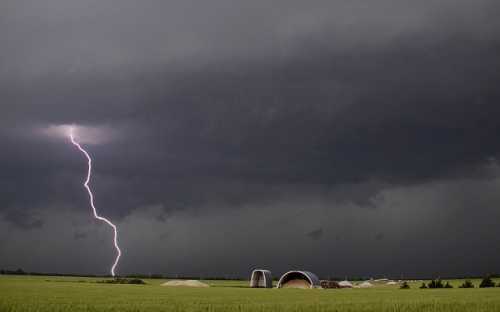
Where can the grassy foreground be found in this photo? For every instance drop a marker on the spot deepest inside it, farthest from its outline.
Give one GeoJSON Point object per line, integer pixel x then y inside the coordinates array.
{"type": "Point", "coordinates": [53, 294]}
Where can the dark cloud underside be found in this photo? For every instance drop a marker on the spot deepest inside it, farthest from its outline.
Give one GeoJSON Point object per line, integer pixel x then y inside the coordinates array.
{"type": "Point", "coordinates": [325, 120]}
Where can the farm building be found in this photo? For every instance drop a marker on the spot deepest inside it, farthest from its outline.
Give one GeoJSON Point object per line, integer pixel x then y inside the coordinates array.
{"type": "Point", "coordinates": [261, 279]}
{"type": "Point", "coordinates": [345, 284]}
{"type": "Point", "coordinates": [298, 279]}
{"type": "Point", "coordinates": [329, 284]}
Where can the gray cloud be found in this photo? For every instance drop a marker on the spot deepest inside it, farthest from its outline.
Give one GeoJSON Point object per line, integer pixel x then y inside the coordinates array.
{"type": "Point", "coordinates": [372, 123]}
{"type": "Point", "coordinates": [316, 234]}
{"type": "Point", "coordinates": [23, 219]}
{"type": "Point", "coordinates": [79, 235]}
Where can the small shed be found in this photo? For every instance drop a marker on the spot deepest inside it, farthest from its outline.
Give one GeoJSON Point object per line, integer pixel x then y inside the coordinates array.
{"type": "Point", "coordinates": [299, 279]}
{"type": "Point", "coordinates": [261, 279]}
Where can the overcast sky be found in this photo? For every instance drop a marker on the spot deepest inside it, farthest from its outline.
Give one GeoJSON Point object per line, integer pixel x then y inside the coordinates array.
{"type": "Point", "coordinates": [348, 138]}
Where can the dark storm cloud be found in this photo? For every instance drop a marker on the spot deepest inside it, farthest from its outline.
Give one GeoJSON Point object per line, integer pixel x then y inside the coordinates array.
{"type": "Point", "coordinates": [223, 106]}
{"type": "Point", "coordinates": [316, 234]}
{"type": "Point", "coordinates": [23, 219]}
{"type": "Point", "coordinates": [79, 235]}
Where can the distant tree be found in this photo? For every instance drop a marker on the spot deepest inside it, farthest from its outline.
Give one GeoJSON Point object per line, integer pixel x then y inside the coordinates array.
{"type": "Point", "coordinates": [423, 286]}
{"type": "Point", "coordinates": [2, 272]}
{"type": "Point", "coordinates": [436, 283]}
{"type": "Point", "coordinates": [466, 284]}
{"type": "Point", "coordinates": [20, 271]}
{"type": "Point", "coordinates": [487, 282]}
{"type": "Point", "coordinates": [120, 280]}
{"type": "Point", "coordinates": [448, 285]}
{"type": "Point", "coordinates": [405, 286]}
{"type": "Point", "coordinates": [156, 276]}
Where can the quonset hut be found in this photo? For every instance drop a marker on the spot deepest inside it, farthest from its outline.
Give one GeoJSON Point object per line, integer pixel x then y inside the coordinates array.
{"type": "Point", "coordinates": [261, 279]}
{"type": "Point", "coordinates": [298, 279]}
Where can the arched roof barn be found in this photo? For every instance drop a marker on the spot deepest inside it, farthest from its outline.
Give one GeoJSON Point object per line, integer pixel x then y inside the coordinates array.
{"type": "Point", "coordinates": [298, 279]}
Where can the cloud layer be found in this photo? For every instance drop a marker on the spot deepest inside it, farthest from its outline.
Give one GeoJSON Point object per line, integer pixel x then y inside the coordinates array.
{"type": "Point", "coordinates": [351, 129]}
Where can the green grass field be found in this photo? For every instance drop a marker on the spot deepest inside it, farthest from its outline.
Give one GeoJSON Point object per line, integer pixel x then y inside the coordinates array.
{"type": "Point", "coordinates": [53, 294]}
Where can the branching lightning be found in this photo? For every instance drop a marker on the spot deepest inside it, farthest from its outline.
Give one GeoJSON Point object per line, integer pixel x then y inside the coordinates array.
{"type": "Point", "coordinates": [91, 197]}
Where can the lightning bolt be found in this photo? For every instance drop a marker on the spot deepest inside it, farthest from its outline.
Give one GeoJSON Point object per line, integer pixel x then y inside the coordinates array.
{"type": "Point", "coordinates": [91, 197]}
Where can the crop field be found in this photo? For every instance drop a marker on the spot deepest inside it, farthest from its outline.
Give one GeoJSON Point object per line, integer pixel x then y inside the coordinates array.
{"type": "Point", "coordinates": [53, 294]}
